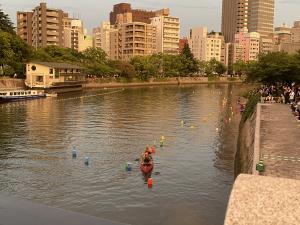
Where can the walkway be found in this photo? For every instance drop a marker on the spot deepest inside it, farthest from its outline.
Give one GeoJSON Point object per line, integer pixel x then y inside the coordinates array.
{"type": "Point", "coordinates": [280, 141]}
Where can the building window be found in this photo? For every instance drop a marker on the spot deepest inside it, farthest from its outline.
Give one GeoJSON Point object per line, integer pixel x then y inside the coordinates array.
{"type": "Point", "coordinates": [50, 71]}
{"type": "Point", "coordinates": [33, 68]}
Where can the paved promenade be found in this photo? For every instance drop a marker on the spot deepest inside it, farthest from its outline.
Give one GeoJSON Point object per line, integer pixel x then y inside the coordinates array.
{"type": "Point", "coordinates": [280, 141]}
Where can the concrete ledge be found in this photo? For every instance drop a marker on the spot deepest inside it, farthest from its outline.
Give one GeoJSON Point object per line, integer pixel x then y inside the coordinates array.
{"type": "Point", "coordinates": [260, 200]}
{"type": "Point", "coordinates": [19, 212]}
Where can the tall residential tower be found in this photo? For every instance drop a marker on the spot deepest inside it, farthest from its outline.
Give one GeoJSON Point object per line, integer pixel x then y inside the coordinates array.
{"type": "Point", "coordinates": [255, 15]}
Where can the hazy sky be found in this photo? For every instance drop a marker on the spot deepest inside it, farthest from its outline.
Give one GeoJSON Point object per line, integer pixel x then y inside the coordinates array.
{"type": "Point", "coordinates": [191, 12]}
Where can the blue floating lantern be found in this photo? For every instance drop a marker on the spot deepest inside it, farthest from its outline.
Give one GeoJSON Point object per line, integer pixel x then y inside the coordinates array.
{"type": "Point", "coordinates": [74, 152]}
{"type": "Point", "coordinates": [128, 166]}
{"type": "Point", "coordinates": [87, 161]}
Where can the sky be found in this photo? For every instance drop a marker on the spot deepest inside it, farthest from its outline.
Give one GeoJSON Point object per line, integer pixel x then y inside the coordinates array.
{"type": "Point", "coordinates": [192, 13]}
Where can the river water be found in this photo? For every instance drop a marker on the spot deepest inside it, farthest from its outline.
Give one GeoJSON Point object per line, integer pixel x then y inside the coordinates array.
{"type": "Point", "coordinates": [193, 172]}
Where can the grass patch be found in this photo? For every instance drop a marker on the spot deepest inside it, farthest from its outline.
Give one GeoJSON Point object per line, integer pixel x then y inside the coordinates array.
{"type": "Point", "coordinates": [250, 106]}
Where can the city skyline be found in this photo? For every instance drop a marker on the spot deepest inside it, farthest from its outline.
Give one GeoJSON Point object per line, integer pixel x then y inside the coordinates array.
{"type": "Point", "coordinates": [192, 13]}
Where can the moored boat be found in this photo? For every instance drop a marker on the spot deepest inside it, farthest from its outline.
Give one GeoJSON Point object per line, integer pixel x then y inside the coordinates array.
{"type": "Point", "coordinates": [51, 94]}
{"type": "Point", "coordinates": [19, 95]}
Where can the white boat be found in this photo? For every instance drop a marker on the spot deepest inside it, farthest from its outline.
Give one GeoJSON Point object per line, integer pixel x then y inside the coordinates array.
{"type": "Point", "coordinates": [51, 94]}
{"type": "Point", "coordinates": [17, 95]}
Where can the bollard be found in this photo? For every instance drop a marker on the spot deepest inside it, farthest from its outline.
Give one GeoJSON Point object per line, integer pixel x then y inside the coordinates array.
{"type": "Point", "coordinates": [74, 152]}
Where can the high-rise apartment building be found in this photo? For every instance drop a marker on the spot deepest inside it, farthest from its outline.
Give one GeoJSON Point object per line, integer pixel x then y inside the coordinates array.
{"type": "Point", "coordinates": [73, 32]}
{"type": "Point", "coordinates": [42, 27]}
{"type": "Point", "coordinates": [261, 17]}
{"type": "Point", "coordinates": [251, 44]}
{"type": "Point", "coordinates": [24, 26]}
{"type": "Point", "coordinates": [132, 39]}
{"type": "Point", "coordinates": [137, 14]}
{"type": "Point", "coordinates": [101, 37]}
{"type": "Point", "coordinates": [234, 18]}
{"type": "Point", "coordinates": [295, 32]}
{"type": "Point", "coordinates": [255, 15]}
{"type": "Point", "coordinates": [197, 42]}
{"type": "Point", "coordinates": [168, 32]}
{"type": "Point", "coordinates": [205, 46]}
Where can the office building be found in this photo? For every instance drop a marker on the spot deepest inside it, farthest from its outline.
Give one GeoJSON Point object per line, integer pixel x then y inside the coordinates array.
{"type": "Point", "coordinates": [255, 15]}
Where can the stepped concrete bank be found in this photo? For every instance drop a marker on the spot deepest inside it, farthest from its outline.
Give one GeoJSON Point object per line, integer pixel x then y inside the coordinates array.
{"type": "Point", "coordinates": [271, 134]}
{"type": "Point", "coordinates": [9, 83]}
{"type": "Point", "coordinates": [20, 212]}
{"type": "Point", "coordinates": [103, 83]}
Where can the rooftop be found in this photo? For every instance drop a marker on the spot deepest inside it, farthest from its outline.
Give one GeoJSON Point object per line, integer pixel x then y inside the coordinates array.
{"type": "Point", "coordinates": [58, 65]}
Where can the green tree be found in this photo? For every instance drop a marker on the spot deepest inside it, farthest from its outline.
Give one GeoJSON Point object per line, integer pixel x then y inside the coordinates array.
{"type": "Point", "coordinates": [239, 67]}
{"type": "Point", "coordinates": [124, 69]}
{"type": "Point", "coordinates": [214, 67]}
{"type": "Point", "coordinates": [144, 67]}
{"type": "Point", "coordinates": [189, 65]}
{"type": "Point", "coordinates": [275, 67]}
{"type": "Point", "coordinates": [94, 55]}
{"type": "Point", "coordinates": [5, 24]}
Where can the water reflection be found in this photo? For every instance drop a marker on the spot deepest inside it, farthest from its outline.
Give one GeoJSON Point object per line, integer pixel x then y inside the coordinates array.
{"type": "Point", "coordinates": [193, 171]}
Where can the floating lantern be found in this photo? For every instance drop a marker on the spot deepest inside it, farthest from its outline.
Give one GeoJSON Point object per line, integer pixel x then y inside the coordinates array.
{"type": "Point", "coordinates": [87, 161]}
{"type": "Point", "coordinates": [74, 152]}
{"type": "Point", "coordinates": [128, 166]}
{"type": "Point", "coordinates": [150, 182]}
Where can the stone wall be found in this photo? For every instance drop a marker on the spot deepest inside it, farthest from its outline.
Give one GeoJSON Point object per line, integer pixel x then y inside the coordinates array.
{"type": "Point", "coordinates": [245, 146]}
{"type": "Point", "coordinates": [9, 83]}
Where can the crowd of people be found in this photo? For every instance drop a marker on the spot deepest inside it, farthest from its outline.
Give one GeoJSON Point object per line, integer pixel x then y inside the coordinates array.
{"type": "Point", "coordinates": [286, 94]}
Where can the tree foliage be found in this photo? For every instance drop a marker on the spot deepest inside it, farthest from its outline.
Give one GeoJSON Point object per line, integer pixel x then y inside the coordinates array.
{"type": "Point", "coordinates": [275, 67]}
{"type": "Point", "coordinates": [189, 64]}
{"type": "Point", "coordinates": [240, 67]}
{"type": "Point", "coordinates": [5, 24]}
{"type": "Point", "coordinates": [214, 67]}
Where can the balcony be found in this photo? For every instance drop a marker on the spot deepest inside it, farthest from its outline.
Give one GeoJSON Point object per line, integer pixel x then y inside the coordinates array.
{"type": "Point", "coordinates": [49, 20]}
{"type": "Point", "coordinates": [52, 33]}
{"type": "Point", "coordinates": [52, 27]}
{"type": "Point", "coordinates": [52, 14]}
{"type": "Point", "coordinates": [139, 34]}
{"type": "Point", "coordinates": [171, 25]}
{"type": "Point", "coordinates": [139, 27]}
{"type": "Point", "coordinates": [52, 39]}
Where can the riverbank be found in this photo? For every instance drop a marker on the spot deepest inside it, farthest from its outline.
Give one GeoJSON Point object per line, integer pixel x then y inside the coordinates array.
{"type": "Point", "coordinates": [105, 83]}
{"type": "Point", "coordinates": [272, 135]}
{"type": "Point", "coordinates": [10, 83]}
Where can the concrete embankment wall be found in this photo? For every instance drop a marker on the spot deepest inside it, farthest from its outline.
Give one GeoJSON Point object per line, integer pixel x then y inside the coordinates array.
{"type": "Point", "coordinates": [100, 83]}
{"type": "Point", "coordinates": [9, 83]}
{"type": "Point", "coordinates": [245, 147]}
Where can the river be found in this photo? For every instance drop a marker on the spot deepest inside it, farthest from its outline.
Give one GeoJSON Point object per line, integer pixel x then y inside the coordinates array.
{"type": "Point", "coordinates": [193, 172]}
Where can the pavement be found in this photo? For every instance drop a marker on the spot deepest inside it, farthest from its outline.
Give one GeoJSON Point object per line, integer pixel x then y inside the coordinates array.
{"type": "Point", "coordinates": [261, 200]}
{"type": "Point", "coordinates": [280, 141]}
{"type": "Point", "coordinates": [19, 212]}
